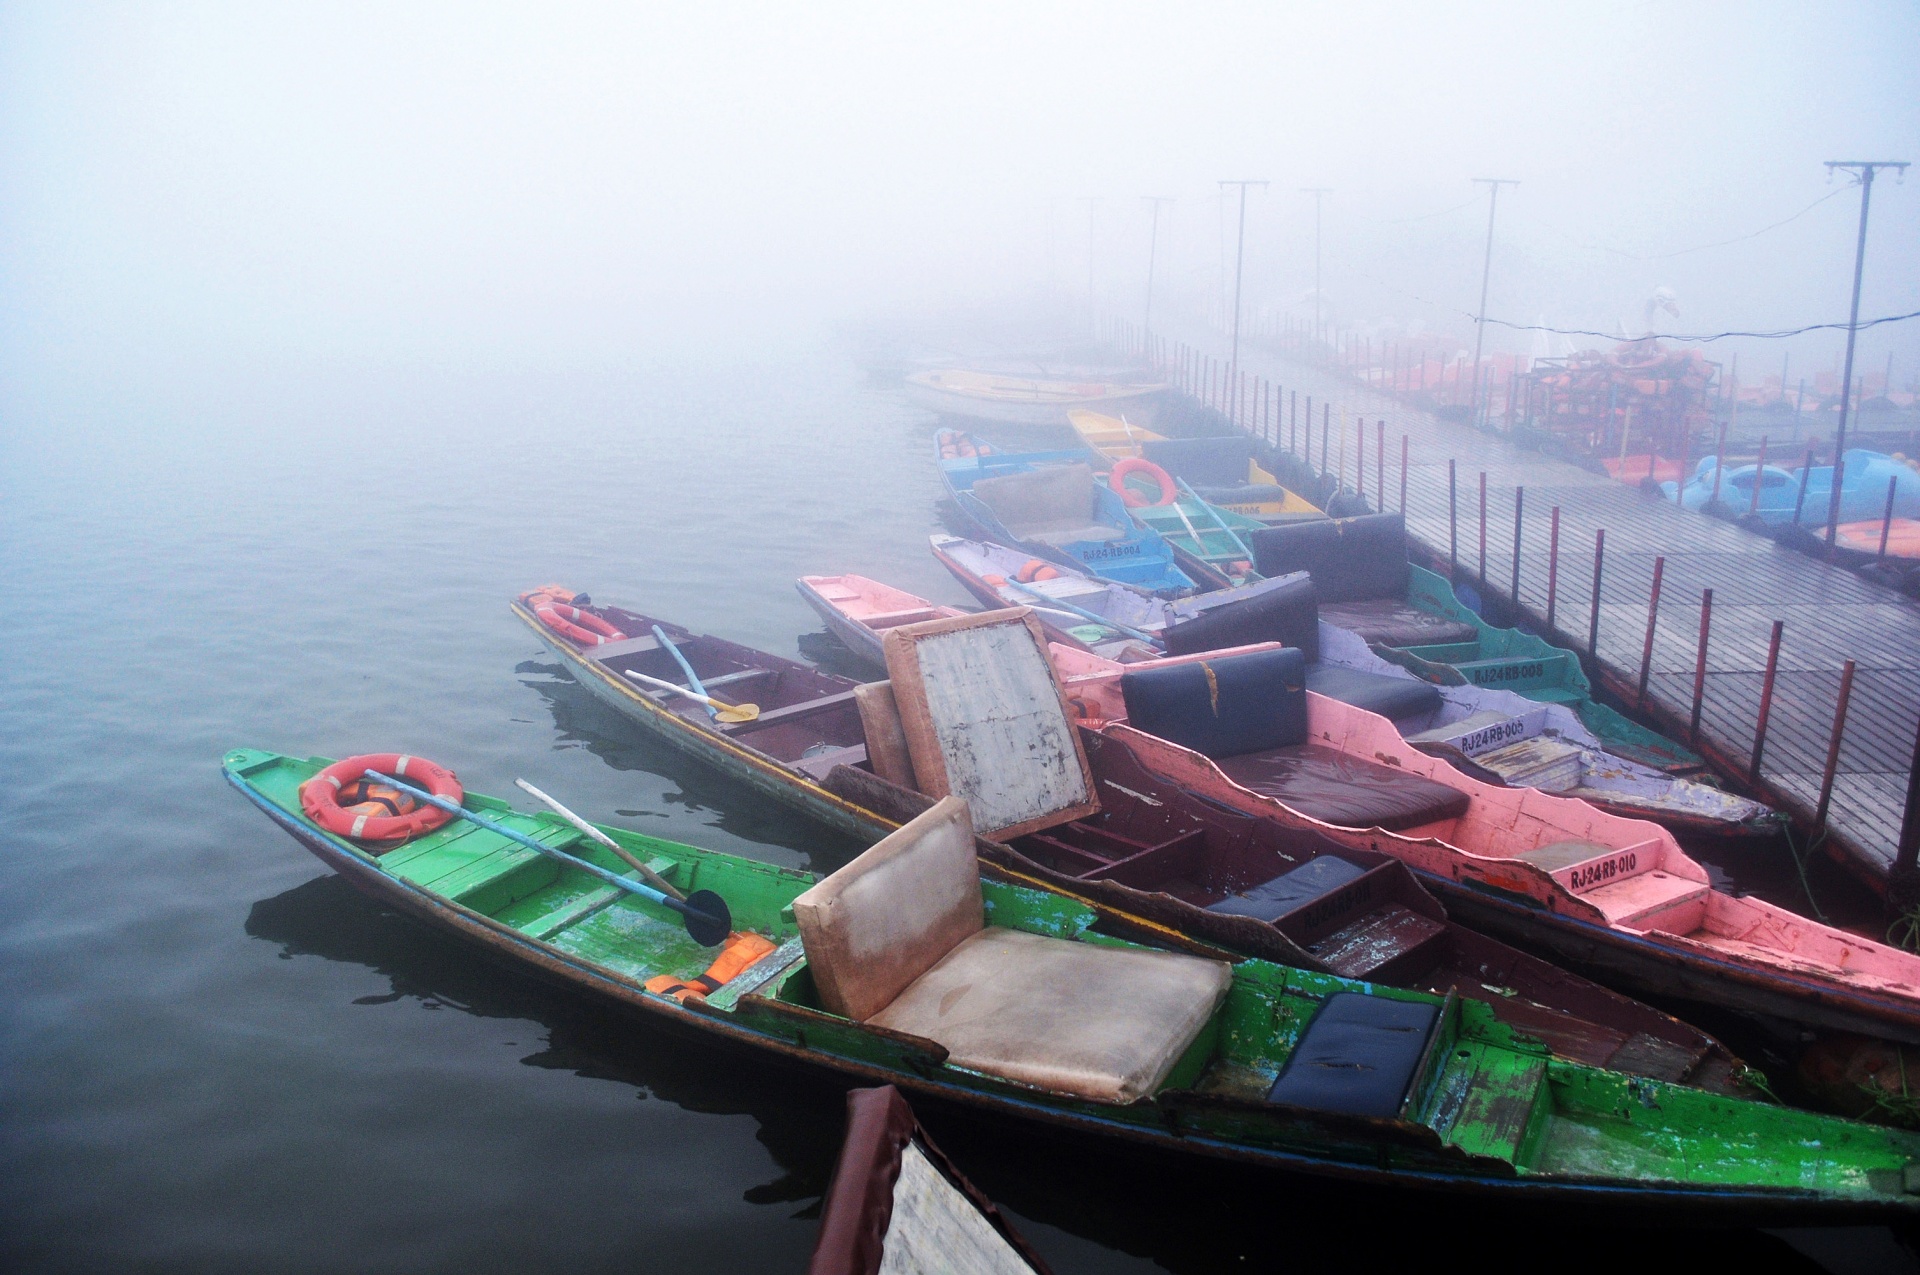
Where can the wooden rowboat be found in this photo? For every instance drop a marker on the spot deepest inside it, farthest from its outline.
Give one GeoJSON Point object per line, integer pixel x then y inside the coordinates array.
{"type": "Point", "coordinates": [1221, 470]}
{"type": "Point", "coordinates": [1241, 1060]}
{"type": "Point", "coordinates": [858, 610]}
{"type": "Point", "coordinates": [1016, 400]}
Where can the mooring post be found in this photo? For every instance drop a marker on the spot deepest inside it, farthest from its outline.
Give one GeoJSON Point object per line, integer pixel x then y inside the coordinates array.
{"type": "Point", "coordinates": [1759, 477]}
{"type": "Point", "coordinates": [1593, 622]}
{"type": "Point", "coordinates": [1653, 619]}
{"type": "Point", "coordinates": [1453, 522]}
{"type": "Point", "coordinates": [1403, 475]}
{"type": "Point", "coordinates": [1307, 442]}
{"type": "Point", "coordinates": [1553, 565]}
{"type": "Point", "coordinates": [1908, 848]}
{"type": "Point", "coordinates": [1719, 463]}
{"type": "Point", "coordinates": [1519, 505]}
{"type": "Point", "coordinates": [1700, 664]}
{"type": "Point", "coordinates": [1766, 700]}
{"type": "Point", "coordinates": [1800, 497]}
{"type": "Point", "coordinates": [1326, 432]}
{"type": "Point", "coordinates": [1833, 746]}
{"type": "Point", "coordinates": [1359, 457]}
{"type": "Point", "coordinates": [1483, 528]}
{"type": "Point", "coordinates": [1886, 519]}
{"type": "Point", "coordinates": [1380, 466]}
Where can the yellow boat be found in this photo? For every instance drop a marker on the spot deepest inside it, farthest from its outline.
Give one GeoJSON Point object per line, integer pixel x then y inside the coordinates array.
{"type": "Point", "coordinates": [1016, 400]}
{"type": "Point", "coordinates": [1254, 492]}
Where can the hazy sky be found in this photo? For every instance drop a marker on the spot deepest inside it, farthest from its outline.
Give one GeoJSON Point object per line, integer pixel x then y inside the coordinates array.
{"type": "Point", "coordinates": [461, 181]}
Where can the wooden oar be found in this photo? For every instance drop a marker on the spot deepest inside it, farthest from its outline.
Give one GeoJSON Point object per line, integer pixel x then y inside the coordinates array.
{"type": "Point", "coordinates": [659, 882]}
{"type": "Point", "coordinates": [693, 678]}
{"type": "Point", "coordinates": [1218, 521]}
{"type": "Point", "coordinates": [707, 917]}
{"type": "Point", "coordinates": [1085, 614]}
{"type": "Point", "coordinates": [720, 709]}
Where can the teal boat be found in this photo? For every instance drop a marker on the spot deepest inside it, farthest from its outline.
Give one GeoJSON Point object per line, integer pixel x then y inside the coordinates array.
{"type": "Point", "coordinates": [1027, 1003]}
{"type": "Point", "coordinates": [1210, 542]}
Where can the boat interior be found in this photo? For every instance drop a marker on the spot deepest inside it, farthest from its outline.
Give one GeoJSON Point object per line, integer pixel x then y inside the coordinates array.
{"type": "Point", "coordinates": [807, 717]}
{"type": "Point", "coordinates": [1359, 565]}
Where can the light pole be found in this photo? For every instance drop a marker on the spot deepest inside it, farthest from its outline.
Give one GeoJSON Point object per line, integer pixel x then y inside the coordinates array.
{"type": "Point", "coordinates": [1493, 185]}
{"type": "Point", "coordinates": [1092, 202]}
{"type": "Point", "coordinates": [1239, 260]}
{"type": "Point", "coordinates": [1153, 248]}
{"type": "Point", "coordinates": [1866, 170]}
{"type": "Point", "coordinates": [1318, 193]}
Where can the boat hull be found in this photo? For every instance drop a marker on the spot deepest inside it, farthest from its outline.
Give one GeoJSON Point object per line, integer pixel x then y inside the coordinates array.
{"type": "Point", "coordinates": [1141, 405]}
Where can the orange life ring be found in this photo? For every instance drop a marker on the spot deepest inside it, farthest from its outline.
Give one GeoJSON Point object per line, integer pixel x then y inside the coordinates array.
{"type": "Point", "coordinates": [1034, 569]}
{"type": "Point", "coordinates": [320, 798]}
{"type": "Point", "coordinates": [1133, 499]}
{"type": "Point", "coordinates": [555, 608]}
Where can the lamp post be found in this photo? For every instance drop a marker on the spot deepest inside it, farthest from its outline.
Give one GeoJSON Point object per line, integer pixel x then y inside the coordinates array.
{"type": "Point", "coordinates": [1493, 185]}
{"type": "Point", "coordinates": [1239, 261]}
{"type": "Point", "coordinates": [1153, 248]}
{"type": "Point", "coordinates": [1866, 170]}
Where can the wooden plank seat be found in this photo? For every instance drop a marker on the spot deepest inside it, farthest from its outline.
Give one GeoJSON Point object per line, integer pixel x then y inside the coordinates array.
{"type": "Point", "coordinates": [898, 938]}
{"type": "Point", "coordinates": [1248, 713]}
{"type": "Point", "coordinates": [607, 651]}
{"type": "Point", "coordinates": [790, 713]}
{"type": "Point", "coordinates": [1392, 622]}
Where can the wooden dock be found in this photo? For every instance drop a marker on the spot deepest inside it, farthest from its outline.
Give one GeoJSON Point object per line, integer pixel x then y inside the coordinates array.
{"type": "Point", "coordinates": [1830, 615]}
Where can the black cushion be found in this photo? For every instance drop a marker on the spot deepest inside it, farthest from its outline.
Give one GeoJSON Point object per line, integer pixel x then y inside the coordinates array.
{"type": "Point", "coordinates": [1239, 704]}
{"type": "Point", "coordinates": [1213, 462]}
{"type": "Point", "coordinates": [1349, 558]}
{"type": "Point", "coordinates": [1391, 697]}
{"type": "Point", "coordinates": [1392, 622]}
{"type": "Point", "coordinates": [1357, 1056]}
{"type": "Point", "coordinates": [1339, 788]}
{"type": "Point", "coordinates": [1285, 610]}
{"type": "Point", "coordinates": [1271, 900]}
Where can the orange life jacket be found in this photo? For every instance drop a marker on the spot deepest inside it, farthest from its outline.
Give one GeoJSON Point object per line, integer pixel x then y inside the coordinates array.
{"type": "Point", "coordinates": [742, 950]}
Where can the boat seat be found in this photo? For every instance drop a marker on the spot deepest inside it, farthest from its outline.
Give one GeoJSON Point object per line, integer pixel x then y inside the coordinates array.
{"type": "Point", "coordinates": [1249, 713]}
{"type": "Point", "coordinates": [1049, 504]}
{"type": "Point", "coordinates": [1393, 698]}
{"type": "Point", "coordinates": [898, 938]}
{"type": "Point", "coordinates": [1350, 559]}
{"type": "Point", "coordinates": [891, 619]}
{"type": "Point", "coordinates": [1392, 622]}
{"type": "Point", "coordinates": [1294, 888]}
{"type": "Point", "coordinates": [1339, 788]}
{"type": "Point", "coordinates": [1357, 1056]}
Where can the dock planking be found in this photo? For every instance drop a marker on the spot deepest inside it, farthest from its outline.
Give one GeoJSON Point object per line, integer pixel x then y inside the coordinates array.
{"type": "Point", "coordinates": [1830, 614]}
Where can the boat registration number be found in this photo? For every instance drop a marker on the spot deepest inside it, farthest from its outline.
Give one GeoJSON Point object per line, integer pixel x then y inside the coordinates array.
{"type": "Point", "coordinates": [1600, 871]}
{"type": "Point", "coordinates": [1508, 673]}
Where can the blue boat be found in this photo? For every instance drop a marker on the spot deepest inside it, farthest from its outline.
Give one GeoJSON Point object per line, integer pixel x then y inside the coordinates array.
{"type": "Point", "coordinates": [1863, 489]}
{"type": "Point", "coordinates": [1050, 505]}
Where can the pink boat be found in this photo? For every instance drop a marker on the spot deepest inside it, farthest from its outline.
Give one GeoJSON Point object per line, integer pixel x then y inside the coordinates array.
{"type": "Point", "coordinates": [1613, 896]}
{"type": "Point", "coordinates": [859, 611]}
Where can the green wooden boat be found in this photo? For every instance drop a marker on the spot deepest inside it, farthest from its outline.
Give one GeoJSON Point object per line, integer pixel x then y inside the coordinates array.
{"type": "Point", "coordinates": [1257, 1073]}
{"type": "Point", "coordinates": [1198, 530]}
{"type": "Point", "coordinates": [1509, 660]}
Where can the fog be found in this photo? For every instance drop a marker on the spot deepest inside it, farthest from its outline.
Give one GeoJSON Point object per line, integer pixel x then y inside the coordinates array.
{"type": "Point", "coordinates": [219, 184]}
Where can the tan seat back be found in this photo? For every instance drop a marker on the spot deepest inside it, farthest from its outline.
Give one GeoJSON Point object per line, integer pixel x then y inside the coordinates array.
{"type": "Point", "coordinates": [1049, 496]}
{"type": "Point", "coordinates": [888, 917]}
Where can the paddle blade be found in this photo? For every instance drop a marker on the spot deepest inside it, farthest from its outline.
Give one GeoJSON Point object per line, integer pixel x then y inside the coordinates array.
{"type": "Point", "coordinates": [708, 918]}
{"type": "Point", "coordinates": [738, 713]}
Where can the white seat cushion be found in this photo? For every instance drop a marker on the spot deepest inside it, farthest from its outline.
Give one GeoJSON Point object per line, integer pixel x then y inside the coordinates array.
{"type": "Point", "coordinates": [883, 920]}
{"type": "Point", "coordinates": [1102, 1023]}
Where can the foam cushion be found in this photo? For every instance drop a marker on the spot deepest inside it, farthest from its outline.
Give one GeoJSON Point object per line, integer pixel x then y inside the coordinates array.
{"type": "Point", "coordinates": [1349, 558]}
{"type": "Point", "coordinates": [1391, 697]}
{"type": "Point", "coordinates": [1271, 900]}
{"type": "Point", "coordinates": [1391, 622]}
{"type": "Point", "coordinates": [1101, 1023]}
{"type": "Point", "coordinates": [888, 917]}
{"type": "Point", "coordinates": [1357, 1056]}
{"type": "Point", "coordinates": [1214, 462]}
{"type": "Point", "coordinates": [1334, 787]}
{"type": "Point", "coordinates": [1051, 503]}
{"type": "Point", "coordinates": [1240, 704]}
{"type": "Point", "coordinates": [1285, 611]}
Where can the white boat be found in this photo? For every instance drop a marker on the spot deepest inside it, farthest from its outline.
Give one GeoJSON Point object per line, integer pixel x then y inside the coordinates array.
{"type": "Point", "coordinates": [1015, 400]}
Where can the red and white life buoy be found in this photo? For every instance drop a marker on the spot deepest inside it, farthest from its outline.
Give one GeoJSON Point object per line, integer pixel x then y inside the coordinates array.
{"type": "Point", "coordinates": [320, 798]}
{"type": "Point", "coordinates": [1133, 499]}
{"type": "Point", "coordinates": [555, 608]}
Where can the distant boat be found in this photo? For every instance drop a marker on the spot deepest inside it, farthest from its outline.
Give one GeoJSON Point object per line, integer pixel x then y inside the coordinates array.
{"type": "Point", "coordinates": [1015, 400]}
{"type": "Point", "coordinates": [1221, 471]}
{"type": "Point", "coordinates": [1863, 490]}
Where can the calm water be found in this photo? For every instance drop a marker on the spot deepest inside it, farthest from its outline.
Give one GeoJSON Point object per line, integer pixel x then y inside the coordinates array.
{"type": "Point", "coordinates": [217, 1057]}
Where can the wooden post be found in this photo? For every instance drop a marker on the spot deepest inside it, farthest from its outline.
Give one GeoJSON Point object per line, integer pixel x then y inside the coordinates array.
{"type": "Point", "coordinates": [1759, 478]}
{"type": "Point", "coordinates": [1553, 565]}
{"type": "Point", "coordinates": [1293, 419]}
{"type": "Point", "coordinates": [1599, 563]}
{"type": "Point", "coordinates": [1653, 619]}
{"type": "Point", "coordinates": [1766, 700]}
{"type": "Point", "coordinates": [1886, 519]}
{"type": "Point", "coordinates": [1908, 847]}
{"type": "Point", "coordinates": [1307, 455]}
{"type": "Point", "coordinates": [1403, 475]}
{"type": "Point", "coordinates": [1326, 430]}
{"type": "Point", "coordinates": [1380, 467]}
{"type": "Point", "coordinates": [1833, 746]}
{"type": "Point", "coordinates": [1719, 463]}
{"type": "Point", "coordinates": [1519, 507]}
{"type": "Point", "coordinates": [1700, 664]}
{"type": "Point", "coordinates": [1359, 456]}
{"type": "Point", "coordinates": [1483, 528]}
{"type": "Point", "coordinates": [1800, 497]}
{"type": "Point", "coordinates": [1453, 522]}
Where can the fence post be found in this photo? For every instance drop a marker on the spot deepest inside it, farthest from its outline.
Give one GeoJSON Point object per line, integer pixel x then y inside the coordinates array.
{"type": "Point", "coordinates": [1766, 701]}
{"type": "Point", "coordinates": [1653, 618]}
{"type": "Point", "coordinates": [1453, 521]}
{"type": "Point", "coordinates": [1759, 474]}
{"type": "Point", "coordinates": [1519, 506]}
{"type": "Point", "coordinates": [1833, 746]}
{"type": "Point", "coordinates": [1359, 457]}
{"type": "Point", "coordinates": [1326, 432]}
{"type": "Point", "coordinates": [1483, 528]}
{"type": "Point", "coordinates": [1886, 519]}
{"type": "Point", "coordinates": [1593, 624]}
{"type": "Point", "coordinates": [1908, 847]}
{"type": "Point", "coordinates": [1800, 497]}
{"type": "Point", "coordinates": [1380, 465]}
{"type": "Point", "coordinates": [1403, 475]}
{"type": "Point", "coordinates": [1553, 565]}
{"type": "Point", "coordinates": [1293, 420]}
{"type": "Point", "coordinates": [1700, 664]}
